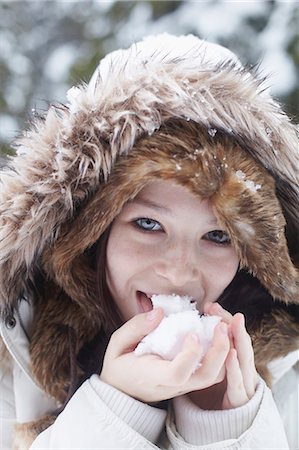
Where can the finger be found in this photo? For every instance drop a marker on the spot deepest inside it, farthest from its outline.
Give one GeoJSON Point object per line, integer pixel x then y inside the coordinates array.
{"type": "Point", "coordinates": [132, 332]}
{"type": "Point", "coordinates": [235, 391]}
{"type": "Point", "coordinates": [206, 307]}
{"type": "Point", "coordinates": [217, 310]}
{"type": "Point", "coordinates": [186, 362]}
{"type": "Point", "coordinates": [214, 359]}
{"type": "Point", "coordinates": [243, 346]}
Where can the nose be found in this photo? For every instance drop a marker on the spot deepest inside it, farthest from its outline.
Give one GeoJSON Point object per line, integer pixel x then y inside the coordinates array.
{"type": "Point", "coordinates": [178, 265]}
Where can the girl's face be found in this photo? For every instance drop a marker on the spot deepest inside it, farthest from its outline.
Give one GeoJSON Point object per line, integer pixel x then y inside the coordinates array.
{"type": "Point", "coordinates": [167, 241]}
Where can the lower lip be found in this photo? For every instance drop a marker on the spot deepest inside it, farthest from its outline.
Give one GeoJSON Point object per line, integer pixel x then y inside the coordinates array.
{"type": "Point", "coordinates": [143, 302]}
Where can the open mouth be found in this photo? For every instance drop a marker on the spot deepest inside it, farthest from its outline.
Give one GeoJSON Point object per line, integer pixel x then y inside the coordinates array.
{"type": "Point", "coordinates": [144, 302]}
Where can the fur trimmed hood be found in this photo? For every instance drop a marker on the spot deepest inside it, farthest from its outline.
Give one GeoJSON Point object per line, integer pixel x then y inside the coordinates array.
{"type": "Point", "coordinates": [78, 165]}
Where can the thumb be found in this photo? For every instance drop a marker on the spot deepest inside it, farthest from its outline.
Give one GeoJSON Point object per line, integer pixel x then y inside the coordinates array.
{"type": "Point", "coordinates": [132, 332]}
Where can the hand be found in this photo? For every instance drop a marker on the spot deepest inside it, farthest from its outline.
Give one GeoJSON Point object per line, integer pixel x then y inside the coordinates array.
{"type": "Point", "coordinates": [241, 375]}
{"type": "Point", "coordinates": [149, 378]}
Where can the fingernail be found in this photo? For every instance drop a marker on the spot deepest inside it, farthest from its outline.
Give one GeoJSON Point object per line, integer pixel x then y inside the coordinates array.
{"type": "Point", "coordinates": [152, 315]}
{"type": "Point", "coordinates": [242, 318]}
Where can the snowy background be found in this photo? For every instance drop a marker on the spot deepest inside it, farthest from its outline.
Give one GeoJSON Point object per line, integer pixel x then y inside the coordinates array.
{"type": "Point", "coordinates": [48, 46]}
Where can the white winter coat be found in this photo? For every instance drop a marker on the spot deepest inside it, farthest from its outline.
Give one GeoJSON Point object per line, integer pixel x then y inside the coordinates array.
{"type": "Point", "coordinates": [100, 417]}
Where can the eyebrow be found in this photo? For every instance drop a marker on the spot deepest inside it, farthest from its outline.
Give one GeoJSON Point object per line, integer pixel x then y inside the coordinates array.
{"type": "Point", "coordinates": [145, 202]}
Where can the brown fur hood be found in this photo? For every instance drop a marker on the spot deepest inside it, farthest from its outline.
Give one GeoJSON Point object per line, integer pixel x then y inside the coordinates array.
{"type": "Point", "coordinates": [79, 164]}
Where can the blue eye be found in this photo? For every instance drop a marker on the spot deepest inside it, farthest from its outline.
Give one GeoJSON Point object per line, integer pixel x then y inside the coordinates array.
{"type": "Point", "coordinates": [218, 237]}
{"type": "Point", "coordinates": [148, 224]}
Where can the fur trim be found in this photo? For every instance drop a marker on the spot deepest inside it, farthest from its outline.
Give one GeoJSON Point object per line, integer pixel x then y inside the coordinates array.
{"type": "Point", "coordinates": [25, 433]}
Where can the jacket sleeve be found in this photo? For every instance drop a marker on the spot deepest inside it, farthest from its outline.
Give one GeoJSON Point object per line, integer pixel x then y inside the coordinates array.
{"type": "Point", "coordinates": [286, 396]}
{"type": "Point", "coordinates": [7, 408]}
{"type": "Point", "coordinates": [255, 425]}
{"type": "Point", "coordinates": [101, 417]}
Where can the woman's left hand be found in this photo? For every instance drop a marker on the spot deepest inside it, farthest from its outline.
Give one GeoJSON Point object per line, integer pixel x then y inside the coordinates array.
{"type": "Point", "coordinates": [240, 382]}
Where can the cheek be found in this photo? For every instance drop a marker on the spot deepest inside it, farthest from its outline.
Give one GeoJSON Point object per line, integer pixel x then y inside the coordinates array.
{"type": "Point", "coordinates": [123, 260]}
{"type": "Point", "coordinates": [230, 266]}
{"type": "Point", "coordinates": [220, 273]}
{"type": "Point", "coordinates": [114, 259]}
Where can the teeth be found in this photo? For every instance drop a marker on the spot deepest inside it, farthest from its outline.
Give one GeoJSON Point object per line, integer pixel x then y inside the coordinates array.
{"type": "Point", "coordinates": [149, 297]}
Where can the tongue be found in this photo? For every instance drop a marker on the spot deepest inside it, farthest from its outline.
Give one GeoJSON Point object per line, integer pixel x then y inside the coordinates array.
{"type": "Point", "coordinates": [145, 302]}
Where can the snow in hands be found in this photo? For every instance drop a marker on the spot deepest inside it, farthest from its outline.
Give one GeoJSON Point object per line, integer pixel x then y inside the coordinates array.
{"type": "Point", "coordinates": [181, 317]}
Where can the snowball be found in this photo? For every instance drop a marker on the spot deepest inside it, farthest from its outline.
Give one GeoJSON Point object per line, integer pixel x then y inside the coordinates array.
{"type": "Point", "coordinates": [172, 304]}
{"type": "Point", "coordinates": [181, 318]}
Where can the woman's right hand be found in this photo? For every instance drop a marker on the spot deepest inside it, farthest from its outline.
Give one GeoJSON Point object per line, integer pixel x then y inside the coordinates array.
{"type": "Point", "coordinates": [149, 378]}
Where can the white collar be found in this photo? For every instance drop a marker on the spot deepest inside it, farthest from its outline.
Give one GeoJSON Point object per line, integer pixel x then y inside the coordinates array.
{"type": "Point", "coordinates": [280, 366]}
{"type": "Point", "coordinates": [16, 338]}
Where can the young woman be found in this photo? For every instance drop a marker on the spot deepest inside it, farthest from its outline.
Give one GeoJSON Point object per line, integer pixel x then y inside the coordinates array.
{"type": "Point", "coordinates": [172, 171]}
